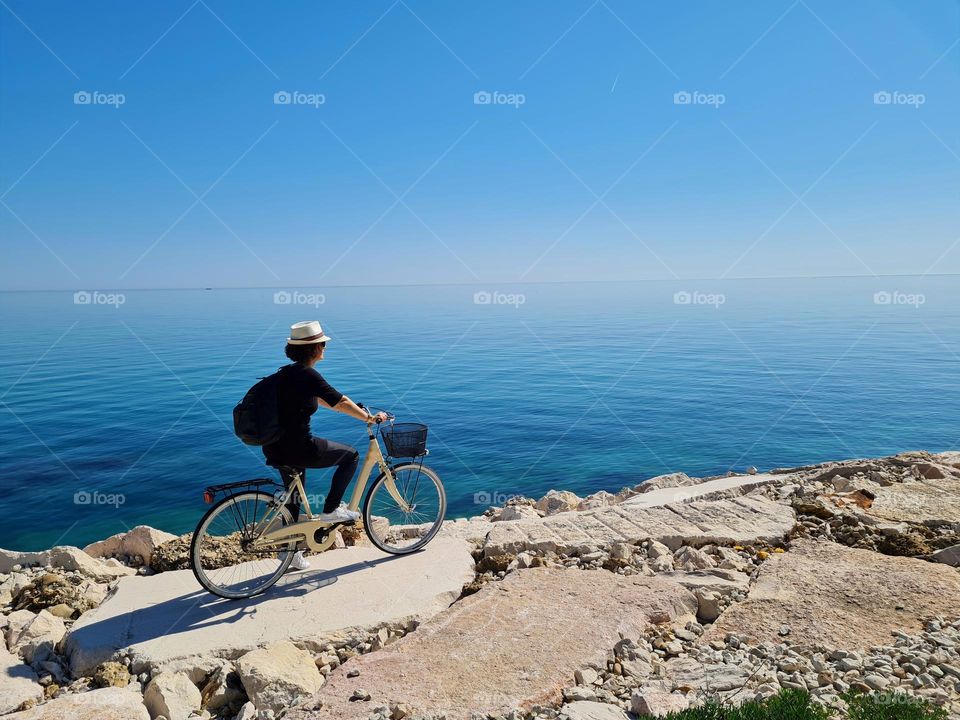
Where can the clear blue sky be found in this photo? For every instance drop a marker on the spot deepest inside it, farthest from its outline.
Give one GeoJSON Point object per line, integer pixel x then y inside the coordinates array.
{"type": "Point", "coordinates": [304, 195]}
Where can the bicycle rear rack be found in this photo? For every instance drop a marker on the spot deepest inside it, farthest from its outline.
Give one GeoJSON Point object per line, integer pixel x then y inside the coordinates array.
{"type": "Point", "coordinates": [211, 491]}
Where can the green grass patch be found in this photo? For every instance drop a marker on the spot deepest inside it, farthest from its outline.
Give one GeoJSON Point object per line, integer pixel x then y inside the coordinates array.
{"type": "Point", "coordinates": [798, 705]}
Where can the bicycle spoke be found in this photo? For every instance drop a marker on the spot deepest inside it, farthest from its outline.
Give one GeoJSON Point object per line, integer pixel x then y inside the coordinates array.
{"type": "Point", "coordinates": [266, 509]}
{"type": "Point", "coordinates": [236, 512]}
{"type": "Point", "coordinates": [412, 500]}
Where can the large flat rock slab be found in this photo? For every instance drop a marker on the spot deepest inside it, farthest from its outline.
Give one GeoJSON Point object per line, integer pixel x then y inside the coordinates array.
{"type": "Point", "coordinates": [708, 489]}
{"type": "Point", "coordinates": [738, 520]}
{"type": "Point", "coordinates": [168, 616]}
{"type": "Point", "coordinates": [929, 502]}
{"type": "Point", "coordinates": [514, 644]}
{"type": "Point", "coordinates": [18, 682]}
{"type": "Point", "coordinates": [832, 595]}
{"type": "Point", "coordinates": [107, 704]}
{"type": "Point", "coordinates": [472, 530]}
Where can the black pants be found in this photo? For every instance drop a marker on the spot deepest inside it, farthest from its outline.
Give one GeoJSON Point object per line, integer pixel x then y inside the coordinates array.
{"type": "Point", "coordinates": [323, 454]}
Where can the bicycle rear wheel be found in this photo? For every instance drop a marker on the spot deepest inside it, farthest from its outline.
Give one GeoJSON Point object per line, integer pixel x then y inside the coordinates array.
{"type": "Point", "coordinates": [398, 530]}
{"type": "Point", "coordinates": [221, 551]}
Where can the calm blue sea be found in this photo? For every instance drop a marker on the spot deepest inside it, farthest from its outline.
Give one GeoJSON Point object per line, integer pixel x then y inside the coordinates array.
{"type": "Point", "coordinates": [113, 415]}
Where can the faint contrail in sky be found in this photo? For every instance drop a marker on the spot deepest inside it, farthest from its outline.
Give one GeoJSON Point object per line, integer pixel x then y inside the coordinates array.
{"type": "Point", "coordinates": [614, 86]}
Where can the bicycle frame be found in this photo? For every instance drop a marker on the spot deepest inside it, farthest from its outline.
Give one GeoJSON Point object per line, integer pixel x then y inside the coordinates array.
{"type": "Point", "coordinates": [304, 530]}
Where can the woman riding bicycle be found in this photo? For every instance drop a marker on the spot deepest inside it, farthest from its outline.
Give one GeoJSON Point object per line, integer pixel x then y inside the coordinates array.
{"type": "Point", "coordinates": [300, 391]}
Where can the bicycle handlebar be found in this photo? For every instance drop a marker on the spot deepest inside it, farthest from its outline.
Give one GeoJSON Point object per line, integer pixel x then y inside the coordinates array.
{"type": "Point", "coordinates": [373, 411]}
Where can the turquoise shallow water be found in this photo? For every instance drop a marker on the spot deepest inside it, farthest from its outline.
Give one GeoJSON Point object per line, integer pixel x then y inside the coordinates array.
{"type": "Point", "coordinates": [117, 415]}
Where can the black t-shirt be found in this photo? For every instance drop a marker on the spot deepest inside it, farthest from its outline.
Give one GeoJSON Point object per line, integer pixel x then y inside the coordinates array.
{"type": "Point", "coordinates": [297, 393]}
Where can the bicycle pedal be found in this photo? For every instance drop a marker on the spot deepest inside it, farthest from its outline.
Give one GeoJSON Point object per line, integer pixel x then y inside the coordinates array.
{"type": "Point", "coordinates": [321, 533]}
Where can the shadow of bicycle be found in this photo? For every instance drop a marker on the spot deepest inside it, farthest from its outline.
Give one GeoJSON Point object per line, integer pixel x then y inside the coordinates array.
{"type": "Point", "coordinates": [175, 605]}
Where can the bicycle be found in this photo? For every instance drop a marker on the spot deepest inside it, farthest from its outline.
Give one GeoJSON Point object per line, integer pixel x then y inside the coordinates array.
{"type": "Point", "coordinates": [246, 541]}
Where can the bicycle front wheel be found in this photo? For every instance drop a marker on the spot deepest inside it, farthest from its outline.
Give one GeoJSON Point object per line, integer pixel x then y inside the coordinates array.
{"type": "Point", "coordinates": [222, 555]}
{"type": "Point", "coordinates": [404, 527]}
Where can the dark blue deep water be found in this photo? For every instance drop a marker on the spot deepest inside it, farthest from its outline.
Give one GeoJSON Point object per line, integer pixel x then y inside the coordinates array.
{"type": "Point", "coordinates": [113, 416]}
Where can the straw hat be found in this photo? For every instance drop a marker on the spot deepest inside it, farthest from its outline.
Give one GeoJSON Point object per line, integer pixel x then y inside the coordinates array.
{"type": "Point", "coordinates": [308, 332]}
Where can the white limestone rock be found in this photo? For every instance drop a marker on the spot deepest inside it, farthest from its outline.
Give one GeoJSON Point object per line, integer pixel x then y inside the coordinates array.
{"type": "Point", "coordinates": [517, 512]}
{"type": "Point", "coordinates": [949, 555]}
{"type": "Point", "coordinates": [106, 704]}
{"type": "Point", "coordinates": [63, 557]}
{"type": "Point", "coordinates": [558, 501]}
{"type": "Point", "coordinates": [38, 637]}
{"type": "Point", "coordinates": [670, 480]}
{"type": "Point", "coordinates": [247, 712]}
{"type": "Point", "coordinates": [688, 558]}
{"type": "Point", "coordinates": [172, 696]}
{"type": "Point", "coordinates": [14, 623]}
{"type": "Point", "coordinates": [278, 675]}
{"type": "Point", "coordinates": [596, 500]}
{"type": "Point", "coordinates": [139, 542]}
{"type": "Point", "coordinates": [657, 704]}
{"type": "Point", "coordinates": [709, 605]}
{"type": "Point", "coordinates": [589, 710]}
{"type": "Point", "coordinates": [18, 682]}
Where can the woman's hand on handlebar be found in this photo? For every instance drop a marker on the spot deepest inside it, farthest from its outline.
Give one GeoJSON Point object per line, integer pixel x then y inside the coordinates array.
{"type": "Point", "coordinates": [378, 418]}
{"type": "Point", "coordinates": [356, 410]}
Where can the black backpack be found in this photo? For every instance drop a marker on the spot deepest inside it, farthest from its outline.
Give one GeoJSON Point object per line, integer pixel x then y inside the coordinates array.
{"type": "Point", "coordinates": [256, 418]}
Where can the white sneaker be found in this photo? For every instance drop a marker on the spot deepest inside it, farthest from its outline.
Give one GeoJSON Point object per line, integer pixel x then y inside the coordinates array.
{"type": "Point", "coordinates": [342, 514]}
{"type": "Point", "coordinates": [299, 562]}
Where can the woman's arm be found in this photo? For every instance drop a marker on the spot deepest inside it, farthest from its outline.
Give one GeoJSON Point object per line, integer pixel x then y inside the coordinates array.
{"type": "Point", "coordinates": [349, 407]}
{"type": "Point", "coordinates": [335, 400]}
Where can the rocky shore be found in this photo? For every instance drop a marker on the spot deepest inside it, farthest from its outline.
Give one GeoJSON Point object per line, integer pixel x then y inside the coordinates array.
{"type": "Point", "coordinates": [826, 578]}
